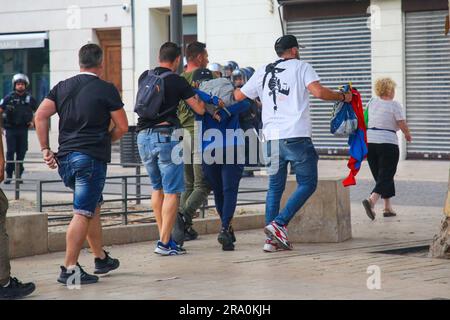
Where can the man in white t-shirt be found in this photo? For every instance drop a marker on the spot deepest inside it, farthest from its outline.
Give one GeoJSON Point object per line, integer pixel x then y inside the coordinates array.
{"type": "Point", "coordinates": [284, 87]}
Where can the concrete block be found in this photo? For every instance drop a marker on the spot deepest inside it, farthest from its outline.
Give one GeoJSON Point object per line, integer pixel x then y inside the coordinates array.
{"type": "Point", "coordinates": [325, 217]}
{"type": "Point", "coordinates": [149, 232]}
{"type": "Point", "coordinates": [27, 234]}
{"type": "Point", "coordinates": [111, 236]}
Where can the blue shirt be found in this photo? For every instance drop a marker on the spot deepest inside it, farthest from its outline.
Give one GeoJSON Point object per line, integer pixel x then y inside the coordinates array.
{"type": "Point", "coordinates": [210, 127]}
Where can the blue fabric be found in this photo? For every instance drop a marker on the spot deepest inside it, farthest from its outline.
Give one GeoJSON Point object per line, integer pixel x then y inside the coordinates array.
{"type": "Point", "coordinates": [224, 181]}
{"type": "Point", "coordinates": [86, 176]}
{"type": "Point", "coordinates": [17, 145]}
{"type": "Point", "coordinates": [155, 150]}
{"type": "Point", "coordinates": [300, 152]}
{"type": "Point", "coordinates": [229, 120]}
{"type": "Point", "coordinates": [358, 147]}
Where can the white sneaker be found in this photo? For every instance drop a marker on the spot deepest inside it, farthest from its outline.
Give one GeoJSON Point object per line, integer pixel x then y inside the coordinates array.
{"type": "Point", "coordinates": [279, 234]}
{"type": "Point", "coordinates": [271, 246]}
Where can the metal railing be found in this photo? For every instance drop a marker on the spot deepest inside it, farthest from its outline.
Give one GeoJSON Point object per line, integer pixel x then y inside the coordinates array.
{"type": "Point", "coordinates": [124, 197]}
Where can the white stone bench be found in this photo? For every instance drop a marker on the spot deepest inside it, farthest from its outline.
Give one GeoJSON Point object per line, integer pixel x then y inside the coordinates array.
{"type": "Point", "coordinates": [325, 217]}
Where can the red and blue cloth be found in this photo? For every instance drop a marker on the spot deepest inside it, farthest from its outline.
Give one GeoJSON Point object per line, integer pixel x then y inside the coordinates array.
{"type": "Point", "coordinates": [357, 141]}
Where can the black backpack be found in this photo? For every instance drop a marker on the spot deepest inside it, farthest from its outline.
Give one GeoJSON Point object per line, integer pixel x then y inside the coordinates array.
{"type": "Point", "coordinates": [150, 95]}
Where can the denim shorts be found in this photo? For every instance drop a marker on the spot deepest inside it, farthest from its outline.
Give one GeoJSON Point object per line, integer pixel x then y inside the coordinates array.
{"type": "Point", "coordinates": [161, 153]}
{"type": "Point", "coordinates": [86, 176]}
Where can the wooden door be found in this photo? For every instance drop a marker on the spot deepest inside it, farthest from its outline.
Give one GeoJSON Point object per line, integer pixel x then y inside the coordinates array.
{"type": "Point", "coordinates": [111, 43]}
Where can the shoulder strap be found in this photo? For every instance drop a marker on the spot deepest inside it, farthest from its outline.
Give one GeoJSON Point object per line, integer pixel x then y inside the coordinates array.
{"type": "Point", "coordinates": [269, 69]}
{"type": "Point", "coordinates": [162, 75]}
{"type": "Point", "coordinates": [166, 74]}
{"type": "Point", "coordinates": [74, 93]}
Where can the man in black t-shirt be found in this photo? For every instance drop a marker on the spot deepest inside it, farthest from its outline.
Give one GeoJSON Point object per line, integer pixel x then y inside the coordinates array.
{"type": "Point", "coordinates": [85, 105]}
{"type": "Point", "coordinates": [157, 142]}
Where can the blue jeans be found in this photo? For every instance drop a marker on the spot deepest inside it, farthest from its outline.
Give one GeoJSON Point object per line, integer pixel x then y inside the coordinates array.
{"type": "Point", "coordinates": [155, 148]}
{"type": "Point", "coordinates": [17, 145]}
{"type": "Point", "coordinates": [300, 152]}
{"type": "Point", "coordinates": [86, 176]}
{"type": "Point", "coordinates": [224, 180]}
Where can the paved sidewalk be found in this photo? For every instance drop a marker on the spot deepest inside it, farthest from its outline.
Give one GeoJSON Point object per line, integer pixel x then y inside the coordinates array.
{"type": "Point", "coordinates": [310, 271]}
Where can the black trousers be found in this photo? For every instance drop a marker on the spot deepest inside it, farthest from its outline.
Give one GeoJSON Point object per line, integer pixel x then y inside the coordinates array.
{"type": "Point", "coordinates": [383, 160]}
{"type": "Point", "coordinates": [17, 145]}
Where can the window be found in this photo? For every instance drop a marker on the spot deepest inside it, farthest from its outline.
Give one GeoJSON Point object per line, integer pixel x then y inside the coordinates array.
{"type": "Point", "coordinates": [18, 57]}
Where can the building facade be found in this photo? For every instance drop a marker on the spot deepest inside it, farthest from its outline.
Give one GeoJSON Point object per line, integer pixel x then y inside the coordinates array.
{"type": "Point", "coordinates": [42, 39]}
{"type": "Point", "coordinates": [346, 40]}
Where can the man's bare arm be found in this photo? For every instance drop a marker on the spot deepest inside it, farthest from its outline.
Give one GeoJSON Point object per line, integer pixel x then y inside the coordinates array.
{"type": "Point", "coordinates": [238, 95]}
{"type": "Point", "coordinates": [321, 92]}
{"type": "Point", "coordinates": [41, 120]}
{"type": "Point", "coordinates": [120, 120]}
{"type": "Point", "coordinates": [197, 105]}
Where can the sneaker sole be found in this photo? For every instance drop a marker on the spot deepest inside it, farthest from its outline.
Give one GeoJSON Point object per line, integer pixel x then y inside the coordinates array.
{"type": "Point", "coordinates": [106, 270]}
{"type": "Point", "coordinates": [81, 283]}
{"type": "Point", "coordinates": [272, 236]}
{"type": "Point", "coordinates": [169, 253]}
{"type": "Point", "coordinates": [368, 208]}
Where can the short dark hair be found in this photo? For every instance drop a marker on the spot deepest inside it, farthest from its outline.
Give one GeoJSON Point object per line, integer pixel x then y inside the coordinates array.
{"type": "Point", "coordinates": [194, 49]}
{"type": "Point", "coordinates": [90, 56]}
{"type": "Point", "coordinates": [169, 52]}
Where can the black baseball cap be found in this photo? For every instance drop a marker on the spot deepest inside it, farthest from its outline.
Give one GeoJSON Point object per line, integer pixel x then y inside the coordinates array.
{"type": "Point", "coordinates": [286, 42]}
{"type": "Point", "coordinates": [202, 74]}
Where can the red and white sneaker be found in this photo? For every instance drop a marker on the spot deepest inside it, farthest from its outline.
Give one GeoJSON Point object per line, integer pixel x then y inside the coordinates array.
{"type": "Point", "coordinates": [271, 246]}
{"type": "Point", "coordinates": [279, 234]}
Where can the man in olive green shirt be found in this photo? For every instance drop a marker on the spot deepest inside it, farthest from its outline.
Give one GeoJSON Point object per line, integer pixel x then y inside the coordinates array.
{"type": "Point", "coordinates": [196, 187]}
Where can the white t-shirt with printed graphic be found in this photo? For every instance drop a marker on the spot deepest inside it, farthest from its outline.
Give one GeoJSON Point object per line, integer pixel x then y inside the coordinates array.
{"type": "Point", "coordinates": [285, 99]}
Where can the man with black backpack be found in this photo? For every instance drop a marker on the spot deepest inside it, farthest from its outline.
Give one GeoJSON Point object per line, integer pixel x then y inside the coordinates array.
{"type": "Point", "coordinates": [160, 92]}
{"type": "Point", "coordinates": [86, 105]}
{"type": "Point", "coordinates": [284, 87]}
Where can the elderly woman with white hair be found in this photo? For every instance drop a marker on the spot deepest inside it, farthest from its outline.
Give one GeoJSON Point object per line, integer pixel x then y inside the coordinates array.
{"type": "Point", "coordinates": [386, 117]}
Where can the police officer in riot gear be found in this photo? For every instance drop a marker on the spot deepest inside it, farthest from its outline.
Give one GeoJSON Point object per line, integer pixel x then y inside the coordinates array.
{"type": "Point", "coordinates": [250, 122]}
{"type": "Point", "coordinates": [17, 109]}
{"type": "Point", "coordinates": [216, 69]}
{"type": "Point", "coordinates": [228, 69]}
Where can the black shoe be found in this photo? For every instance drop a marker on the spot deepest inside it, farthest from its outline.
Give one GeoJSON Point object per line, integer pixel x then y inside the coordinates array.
{"type": "Point", "coordinates": [8, 180]}
{"type": "Point", "coordinates": [16, 289]}
{"type": "Point", "coordinates": [231, 231]}
{"type": "Point", "coordinates": [106, 265]}
{"type": "Point", "coordinates": [226, 240]}
{"type": "Point", "coordinates": [70, 278]}
{"type": "Point", "coordinates": [178, 232]}
{"type": "Point", "coordinates": [190, 234]}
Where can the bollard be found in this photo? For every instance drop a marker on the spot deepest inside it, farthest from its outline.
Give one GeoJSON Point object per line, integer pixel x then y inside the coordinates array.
{"type": "Point", "coordinates": [124, 201]}
{"type": "Point", "coordinates": [39, 196]}
{"type": "Point", "coordinates": [138, 184]}
{"type": "Point", "coordinates": [16, 181]}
